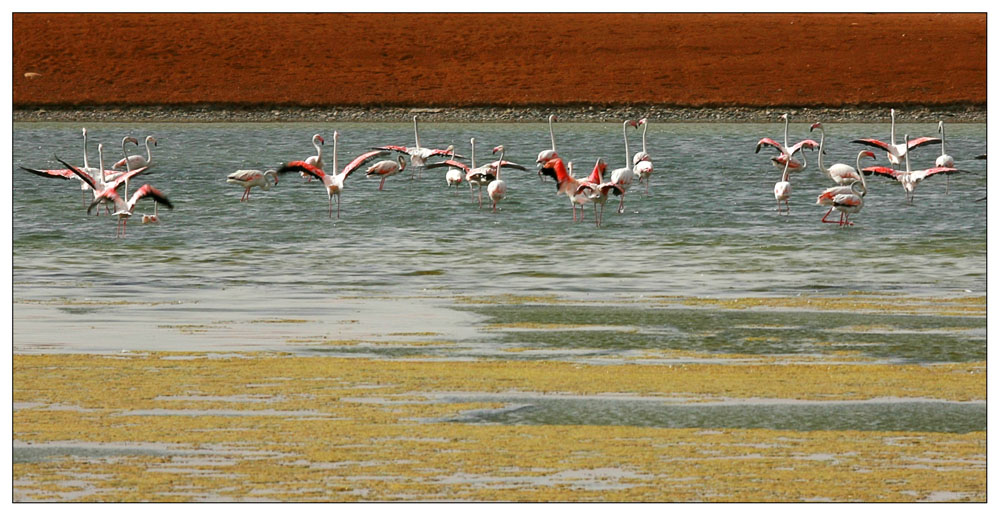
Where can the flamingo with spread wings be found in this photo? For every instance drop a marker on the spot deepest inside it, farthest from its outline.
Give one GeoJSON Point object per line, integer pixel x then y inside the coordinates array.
{"type": "Point", "coordinates": [896, 152]}
{"type": "Point", "coordinates": [787, 153]}
{"type": "Point", "coordinates": [334, 182]}
{"type": "Point", "coordinates": [418, 155]}
{"type": "Point", "coordinates": [909, 179]}
{"type": "Point", "coordinates": [596, 190]}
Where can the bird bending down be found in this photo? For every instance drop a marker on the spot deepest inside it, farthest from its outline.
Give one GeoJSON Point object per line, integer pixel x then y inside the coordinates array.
{"type": "Point", "coordinates": [386, 168]}
{"type": "Point", "coordinates": [787, 153]}
{"type": "Point", "coordinates": [896, 152]}
{"type": "Point", "coordinates": [909, 178]}
{"type": "Point", "coordinates": [840, 173]}
{"type": "Point", "coordinates": [334, 182]}
{"type": "Point", "coordinates": [251, 178]}
{"type": "Point", "coordinates": [840, 195]}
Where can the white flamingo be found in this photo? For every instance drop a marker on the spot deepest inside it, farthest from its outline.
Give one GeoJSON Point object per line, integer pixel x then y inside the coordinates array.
{"type": "Point", "coordinates": [909, 178]}
{"type": "Point", "coordinates": [548, 154]}
{"type": "Point", "coordinates": [787, 153]}
{"type": "Point", "coordinates": [783, 190]}
{"type": "Point", "coordinates": [623, 176]}
{"type": "Point", "coordinates": [642, 163]}
{"type": "Point", "coordinates": [840, 173]}
{"type": "Point", "coordinates": [478, 176]}
{"type": "Point", "coordinates": [123, 209]}
{"type": "Point", "coordinates": [456, 169]}
{"type": "Point", "coordinates": [136, 161]}
{"type": "Point", "coordinates": [830, 195]}
{"type": "Point", "coordinates": [66, 173]}
{"type": "Point", "coordinates": [896, 152]}
{"type": "Point", "coordinates": [944, 160]}
{"type": "Point", "coordinates": [334, 182]}
{"type": "Point", "coordinates": [251, 178]}
{"type": "Point", "coordinates": [497, 189]}
{"type": "Point", "coordinates": [105, 192]}
{"type": "Point", "coordinates": [596, 190]}
{"type": "Point", "coordinates": [316, 160]}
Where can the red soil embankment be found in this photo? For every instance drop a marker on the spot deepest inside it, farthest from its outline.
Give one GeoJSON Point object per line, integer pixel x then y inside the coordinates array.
{"type": "Point", "coordinates": [500, 59]}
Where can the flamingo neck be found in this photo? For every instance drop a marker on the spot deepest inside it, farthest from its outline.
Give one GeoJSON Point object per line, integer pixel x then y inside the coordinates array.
{"type": "Point", "coordinates": [319, 150]}
{"type": "Point", "coordinates": [941, 127]}
{"type": "Point", "coordinates": [500, 163]}
{"type": "Point", "coordinates": [149, 154]}
{"type": "Point", "coordinates": [786, 132]}
{"type": "Point", "coordinates": [335, 138]}
{"type": "Point", "coordinates": [784, 174]}
{"type": "Point", "coordinates": [819, 159]}
{"type": "Point", "coordinates": [906, 157]}
{"type": "Point", "coordinates": [892, 126]}
{"type": "Point", "coordinates": [416, 135]}
{"type": "Point", "coordinates": [473, 141]}
{"type": "Point", "coordinates": [645, 126]}
{"type": "Point", "coordinates": [625, 134]}
{"type": "Point", "coordinates": [86, 164]}
{"type": "Point", "coordinates": [552, 135]}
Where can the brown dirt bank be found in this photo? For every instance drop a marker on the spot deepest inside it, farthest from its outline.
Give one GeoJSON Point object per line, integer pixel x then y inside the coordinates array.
{"type": "Point", "coordinates": [699, 60]}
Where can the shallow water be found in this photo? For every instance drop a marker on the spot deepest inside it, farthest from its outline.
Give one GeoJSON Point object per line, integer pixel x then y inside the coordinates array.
{"type": "Point", "coordinates": [397, 257]}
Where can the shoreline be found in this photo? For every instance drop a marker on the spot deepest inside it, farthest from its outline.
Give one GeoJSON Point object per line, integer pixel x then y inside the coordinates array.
{"type": "Point", "coordinates": [537, 114]}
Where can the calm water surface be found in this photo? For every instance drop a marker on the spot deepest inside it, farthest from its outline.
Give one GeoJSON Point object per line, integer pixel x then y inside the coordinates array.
{"type": "Point", "coordinates": [708, 228]}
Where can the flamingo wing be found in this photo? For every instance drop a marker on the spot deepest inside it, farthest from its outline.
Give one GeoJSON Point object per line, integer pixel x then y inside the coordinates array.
{"type": "Point", "coordinates": [556, 169]}
{"type": "Point", "coordinates": [244, 175]}
{"type": "Point", "coordinates": [846, 200]}
{"type": "Point", "coordinates": [301, 166]}
{"type": "Point", "coordinates": [397, 148]}
{"type": "Point", "coordinates": [509, 164]}
{"type": "Point", "coordinates": [63, 173]}
{"type": "Point", "coordinates": [443, 152]}
{"type": "Point", "coordinates": [120, 180]}
{"type": "Point", "coordinates": [360, 160]}
{"type": "Point", "coordinates": [109, 194]}
{"type": "Point", "coordinates": [147, 190]}
{"type": "Point", "coordinates": [920, 142]}
{"type": "Point", "coordinates": [872, 142]}
{"type": "Point", "coordinates": [884, 171]}
{"type": "Point", "coordinates": [449, 163]}
{"type": "Point", "coordinates": [79, 173]}
{"type": "Point", "coordinates": [921, 174]}
{"type": "Point", "coordinates": [614, 188]}
{"type": "Point", "coordinates": [804, 144]}
{"type": "Point", "coordinates": [767, 141]}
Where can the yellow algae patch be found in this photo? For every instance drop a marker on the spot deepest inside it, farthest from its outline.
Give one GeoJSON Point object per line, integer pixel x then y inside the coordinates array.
{"type": "Point", "coordinates": [540, 326]}
{"type": "Point", "coordinates": [414, 334]}
{"type": "Point", "coordinates": [510, 299]}
{"type": "Point", "coordinates": [287, 428]}
{"type": "Point", "coordinates": [967, 306]}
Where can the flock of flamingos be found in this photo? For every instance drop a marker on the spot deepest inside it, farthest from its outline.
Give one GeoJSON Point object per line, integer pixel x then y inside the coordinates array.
{"type": "Point", "coordinates": [847, 197]}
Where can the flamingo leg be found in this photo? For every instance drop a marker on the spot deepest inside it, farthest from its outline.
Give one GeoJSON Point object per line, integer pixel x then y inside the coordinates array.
{"type": "Point", "coordinates": [947, 183]}
{"type": "Point", "coordinates": [330, 211]}
{"type": "Point", "coordinates": [338, 206]}
{"type": "Point", "coordinates": [621, 204]}
{"type": "Point", "coordinates": [828, 212]}
{"type": "Point", "coordinates": [381, 184]}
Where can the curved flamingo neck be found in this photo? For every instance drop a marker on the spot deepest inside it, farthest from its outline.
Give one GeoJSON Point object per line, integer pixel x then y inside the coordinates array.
{"type": "Point", "coordinates": [861, 174]}
{"type": "Point", "coordinates": [149, 153]}
{"type": "Point", "coordinates": [319, 150]}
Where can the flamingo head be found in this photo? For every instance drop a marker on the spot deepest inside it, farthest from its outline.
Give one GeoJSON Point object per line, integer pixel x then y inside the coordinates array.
{"type": "Point", "coordinates": [817, 125]}
{"type": "Point", "coordinates": [84, 132]}
{"type": "Point", "coordinates": [633, 123]}
{"type": "Point", "coordinates": [601, 166]}
{"type": "Point", "coordinates": [274, 175]}
{"type": "Point", "coordinates": [402, 163]}
{"type": "Point", "coordinates": [149, 139]}
{"type": "Point", "coordinates": [552, 118]}
{"type": "Point", "coordinates": [497, 149]}
{"type": "Point", "coordinates": [642, 121]}
{"type": "Point", "coordinates": [318, 138]}
{"type": "Point", "coordinates": [131, 139]}
{"type": "Point", "coordinates": [940, 126]}
{"type": "Point", "coordinates": [868, 153]}
{"type": "Point", "coordinates": [336, 135]}
{"type": "Point", "coordinates": [784, 116]}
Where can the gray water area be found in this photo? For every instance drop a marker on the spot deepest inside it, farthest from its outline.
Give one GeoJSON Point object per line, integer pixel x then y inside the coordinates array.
{"type": "Point", "coordinates": [221, 275]}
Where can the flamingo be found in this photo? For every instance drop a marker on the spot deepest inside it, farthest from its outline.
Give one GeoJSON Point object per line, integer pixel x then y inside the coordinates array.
{"type": "Point", "coordinates": [456, 172]}
{"type": "Point", "coordinates": [547, 154]}
{"type": "Point", "coordinates": [334, 182]}
{"type": "Point", "coordinates": [146, 219]}
{"type": "Point", "coordinates": [623, 176]}
{"type": "Point", "coordinates": [909, 178]}
{"type": "Point", "coordinates": [418, 155]}
{"type": "Point", "coordinates": [123, 210]}
{"type": "Point", "coordinates": [783, 190]}
{"type": "Point", "coordinates": [565, 183]}
{"type": "Point", "coordinates": [787, 152]}
{"type": "Point", "coordinates": [386, 168]}
{"type": "Point", "coordinates": [642, 163]}
{"type": "Point", "coordinates": [137, 161]}
{"type": "Point", "coordinates": [896, 152]}
{"type": "Point", "coordinates": [479, 176]}
{"type": "Point", "coordinates": [829, 196]}
{"type": "Point", "coordinates": [104, 192]}
{"type": "Point", "coordinates": [251, 178]}
{"type": "Point", "coordinates": [840, 173]}
{"type": "Point", "coordinates": [68, 174]}
{"type": "Point", "coordinates": [317, 160]}
{"type": "Point", "coordinates": [497, 189]}
{"type": "Point", "coordinates": [597, 191]}
{"type": "Point", "coordinates": [944, 160]}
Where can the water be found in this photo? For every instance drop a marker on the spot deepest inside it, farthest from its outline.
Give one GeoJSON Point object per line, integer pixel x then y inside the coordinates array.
{"type": "Point", "coordinates": [707, 229]}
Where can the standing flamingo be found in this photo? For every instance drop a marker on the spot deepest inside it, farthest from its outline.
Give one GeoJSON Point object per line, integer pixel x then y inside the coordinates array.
{"type": "Point", "coordinates": [386, 168]}
{"type": "Point", "coordinates": [565, 183]}
{"type": "Point", "coordinates": [829, 196]}
{"type": "Point", "coordinates": [123, 209]}
{"type": "Point", "coordinates": [896, 152]}
{"type": "Point", "coordinates": [840, 173]}
{"type": "Point", "coordinates": [944, 160]}
{"type": "Point", "coordinates": [909, 178]}
{"type": "Point", "coordinates": [497, 189]}
{"type": "Point", "coordinates": [783, 190]}
{"type": "Point", "coordinates": [418, 155]}
{"type": "Point", "coordinates": [623, 176]}
{"type": "Point", "coordinates": [334, 182]}
{"type": "Point", "coordinates": [642, 163]}
{"type": "Point", "coordinates": [251, 178]}
{"type": "Point", "coordinates": [596, 190]}
{"type": "Point", "coordinates": [547, 154]}
{"type": "Point", "coordinates": [315, 160]}
{"type": "Point", "coordinates": [104, 192]}
{"type": "Point", "coordinates": [457, 170]}
{"type": "Point", "coordinates": [93, 173]}
{"type": "Point", "coordinates": [787, 153]}
{"type": "Point", "coordinates": [478, 176]}
{"type": "Point", "coordinates": [137, 161]}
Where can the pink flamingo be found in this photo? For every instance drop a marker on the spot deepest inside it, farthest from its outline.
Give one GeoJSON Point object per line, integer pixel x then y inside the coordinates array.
{"type": "Point", "coordinates": [944, 160]}
{"type": "Point", "coordinates": [251, 178]}
{"type": "Point", "coordinates": [642, 163]}
{"type": "Point", "coordinates": [896, 151]}
{"type": "Point", "coordinates": [840, 173]}
{"type": "Point", "coordinates": [783, 190]}
{"type": "Point", "coordinates": [623, 176]}
{"type": "Point", "coordinates": [418, 155]}
{"type": "Point", "coordinates": [596, 190]}
{"type": "Point", "coordinates": [787, 153]}
{"type": "Point", "coordinates": [386, 168]}
{"type": "Point", "coordinates": [135, 160]}
{"type": "Point", "coordinates": [565, 183]}
{"type": "Point", "coordinates": [334, 182]}
{"type": "Point", "coordinates": [497, 189]}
